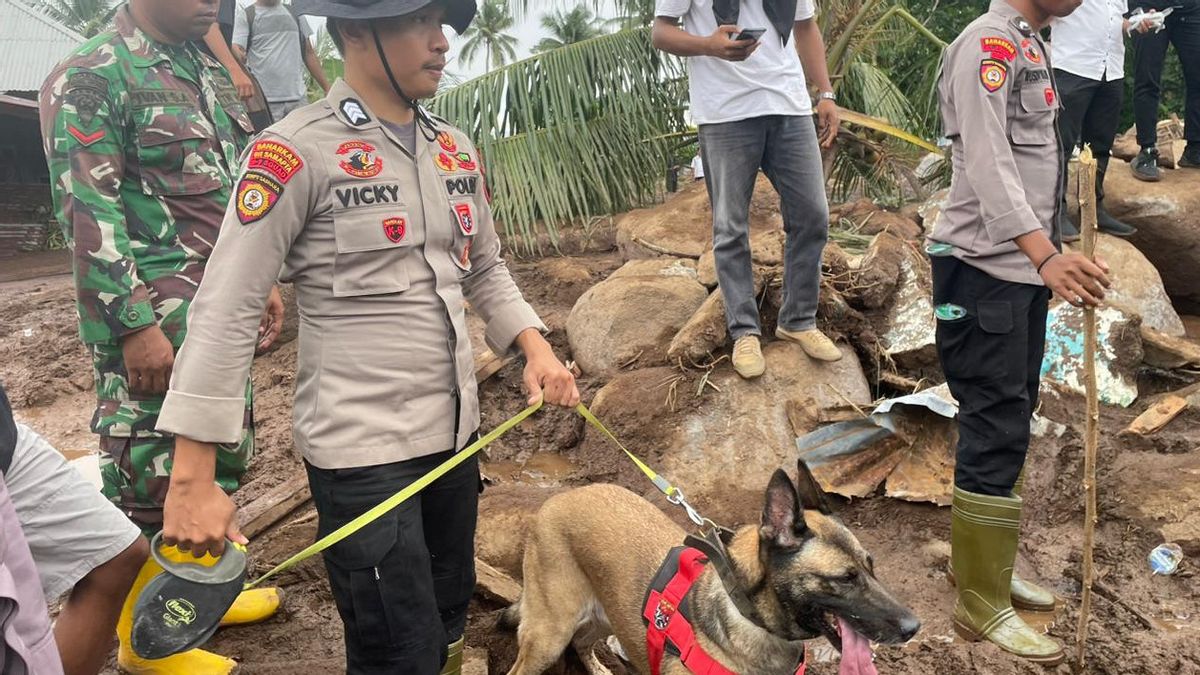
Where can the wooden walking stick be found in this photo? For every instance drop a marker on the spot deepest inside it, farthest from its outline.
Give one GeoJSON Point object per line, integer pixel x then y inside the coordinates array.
{"type": "Point", "coordinates": [1087, 226]}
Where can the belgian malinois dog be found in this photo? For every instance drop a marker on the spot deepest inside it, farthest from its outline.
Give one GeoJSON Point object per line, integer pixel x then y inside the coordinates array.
{"type": "Point", "coordinates": [592, 552]}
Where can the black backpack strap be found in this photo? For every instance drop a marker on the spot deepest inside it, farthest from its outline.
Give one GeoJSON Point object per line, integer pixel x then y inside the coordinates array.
{"type": "Point", "coordinates": [250, 25]}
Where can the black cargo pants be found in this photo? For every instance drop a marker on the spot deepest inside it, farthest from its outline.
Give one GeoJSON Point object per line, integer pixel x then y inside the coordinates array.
{"type": "Point", "coordinates": [992, 358]}
{"type": "Point", "coordinates": [402, 583]}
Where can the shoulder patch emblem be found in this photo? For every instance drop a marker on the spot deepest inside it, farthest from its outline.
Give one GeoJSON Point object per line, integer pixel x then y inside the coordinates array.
{"type": "Point", "coordinates": [1001, 49]}
{"type": "Point", "coordinates": [85, 91]}
{"type": "Point", "coordinates": [274, 158]}
{"type": "Point", "coordinates": [257, 194]}
{"type": "Point", "coordinates": [354, 112]}
{"type": "Point", "coordinates": [85, 139]}
{"type": "Point", "coordinates": [466, 219]}
{"type": "Point", "coordinates": [1030, 51]}
{"type": "Point", "coordinates": [465, 162]}
{"type": "Point", "coordinates": [445, 162]}
{"type": "Point", "coordinates": [394, 229]}
{"type": "Point", "coordinates": [360, 159]}
{"type": "Point", "coordinates": [445, 140]}
{"type": "Point", "coordinates": [992, 74]}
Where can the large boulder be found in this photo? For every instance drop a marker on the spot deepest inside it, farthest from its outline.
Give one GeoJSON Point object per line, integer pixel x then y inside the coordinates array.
{"type": "Point", "coordinates": [682, 227]}
{"type": "Point", "coordinates": [909, 332]}
{"type": "Point", "coordinates": [1119, 354]}
{"type": "Point", "coordinates": [736, 433]}
{"type": "Point", "coordinates": [866, 217]}
{"type": "Point", "coordinates": [1137, 287]}
{"type": "Point", "coordinates": [631, 317]}
{"type": "Point", "coordinates": [1167, 215]}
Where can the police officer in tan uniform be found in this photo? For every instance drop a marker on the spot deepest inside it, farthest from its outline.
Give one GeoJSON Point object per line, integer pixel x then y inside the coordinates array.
{"type": "Point", "coordinates": [996, 258]}
{"type": "Point", "coordinates": [377, 213]}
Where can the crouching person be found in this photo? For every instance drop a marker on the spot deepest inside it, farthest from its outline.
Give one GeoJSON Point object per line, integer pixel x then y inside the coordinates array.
{"type": "Point", "coordinates": [80, 548]}
{"type": "Point", "coordinates": [376, 212]}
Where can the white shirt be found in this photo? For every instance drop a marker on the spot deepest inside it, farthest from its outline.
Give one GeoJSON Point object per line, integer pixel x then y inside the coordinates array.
{"type": "Point", "coordinates": [1090, 42]}
{"type": "Point", "coordinates": [770, 82]}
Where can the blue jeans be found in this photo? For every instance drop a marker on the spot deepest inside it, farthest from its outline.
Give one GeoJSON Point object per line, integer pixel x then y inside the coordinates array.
{"type": "Point", "coordinates": [785, 148]}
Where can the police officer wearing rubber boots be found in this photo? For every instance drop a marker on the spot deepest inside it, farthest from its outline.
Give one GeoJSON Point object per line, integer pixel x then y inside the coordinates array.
{"type": "Point", "coordinates": [377, 213]}
{"type": "Point", "coordinates": [996, 257]}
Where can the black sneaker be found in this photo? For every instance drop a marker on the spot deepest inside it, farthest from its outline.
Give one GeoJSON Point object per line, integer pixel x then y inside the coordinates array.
{"type": "Point", "coordinates": [1108, 224]}
{"type": "Point", "coordinates": [1145, 166]}
{"type": "Point", "coordinates": [1191, 157]}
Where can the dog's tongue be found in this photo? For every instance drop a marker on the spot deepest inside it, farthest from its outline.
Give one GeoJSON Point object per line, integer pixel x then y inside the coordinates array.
{"type": "Point", "coordinates": [856, 652]}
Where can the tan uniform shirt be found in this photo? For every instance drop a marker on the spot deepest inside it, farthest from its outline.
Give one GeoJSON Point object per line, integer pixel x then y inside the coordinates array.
{"type": "Point", "coordinates": [382, 247]}
{"type": "Point", "coordinates": [999, 109]}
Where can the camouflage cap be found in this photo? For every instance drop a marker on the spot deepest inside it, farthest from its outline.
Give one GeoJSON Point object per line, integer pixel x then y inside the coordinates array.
{"type": "Point", "coordinates": [459, 13]}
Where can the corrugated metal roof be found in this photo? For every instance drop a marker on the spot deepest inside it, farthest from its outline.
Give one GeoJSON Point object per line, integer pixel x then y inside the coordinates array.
{"type": "Point", "coordinates": [31, 44]}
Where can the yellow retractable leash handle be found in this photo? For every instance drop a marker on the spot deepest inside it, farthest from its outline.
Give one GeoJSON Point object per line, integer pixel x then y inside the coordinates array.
{"type": "Point", "coordinates": [672, 493]}
{"type": "Point", "coordinates": [400, 497]}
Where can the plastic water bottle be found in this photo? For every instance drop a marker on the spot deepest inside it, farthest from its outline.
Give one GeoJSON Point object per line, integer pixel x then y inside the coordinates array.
{"type": "Point", "coordinates": [1165, 559]}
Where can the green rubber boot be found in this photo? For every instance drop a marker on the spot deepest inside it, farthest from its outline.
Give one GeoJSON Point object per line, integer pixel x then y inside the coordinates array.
{"type": "Point", "coordinates": [983, 541]}
{"type": "Point", "coordinates": [454, 660]}
{"type": "Point", "coordinates": [1026, 594]}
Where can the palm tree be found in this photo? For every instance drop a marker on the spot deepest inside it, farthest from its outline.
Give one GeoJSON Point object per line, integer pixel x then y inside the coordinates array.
{"type": "Point", "coordinates": [487, 34]}
{"type": "Point", "coordinates": [588, 129]}
{"type": "Point", "coordinates": [567, 28]}
{"type": "Point", "coordinates": [86, 17]}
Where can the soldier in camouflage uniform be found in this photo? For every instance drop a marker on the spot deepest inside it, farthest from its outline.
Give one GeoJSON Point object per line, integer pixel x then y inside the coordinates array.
{"type": "Point", "coordinates": [141, 132]}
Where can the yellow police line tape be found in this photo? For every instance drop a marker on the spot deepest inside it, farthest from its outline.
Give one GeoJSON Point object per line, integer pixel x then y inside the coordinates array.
{"type": "Point", "coordinates": [673, 494]}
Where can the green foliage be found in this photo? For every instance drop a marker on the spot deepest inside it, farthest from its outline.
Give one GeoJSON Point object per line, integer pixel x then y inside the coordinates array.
{"type": "Point", "coordinates": [567, 28]}
{"type": "Point", "coordinates": [577, 132]}
{"type": "Point", "coordinates": [488, 34]}
{"type": "Point", "coordinates": [86, 17]}
{"type": "Point", "coordinates": [331, 63]}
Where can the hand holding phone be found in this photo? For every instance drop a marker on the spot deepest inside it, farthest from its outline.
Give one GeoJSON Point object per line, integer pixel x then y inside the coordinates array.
{"type": "Point", "coordinates": [727, 43]}
{"type": "Point", "coordinates": [751, 34]}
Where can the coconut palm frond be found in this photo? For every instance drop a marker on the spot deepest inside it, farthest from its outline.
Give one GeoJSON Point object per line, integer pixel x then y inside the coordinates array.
{"type": "Point", "coordinates": [86, 17]}
{"type": "Point", "coordinates": [868, 122]}
{"type": "Point", "coordinates": [571, 133]}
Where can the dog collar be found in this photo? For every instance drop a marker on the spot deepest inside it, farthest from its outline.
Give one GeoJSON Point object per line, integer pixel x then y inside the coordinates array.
{"type": "Point", "coordinates": [667, 610]}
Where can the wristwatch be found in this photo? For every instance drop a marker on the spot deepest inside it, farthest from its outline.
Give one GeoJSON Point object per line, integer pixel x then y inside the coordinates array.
{"type": "Point", "coordinates": [828, 96]}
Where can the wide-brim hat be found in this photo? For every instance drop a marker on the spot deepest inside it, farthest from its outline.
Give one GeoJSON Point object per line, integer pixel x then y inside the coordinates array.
{"type": "Point", "coordinates": [459, 13]}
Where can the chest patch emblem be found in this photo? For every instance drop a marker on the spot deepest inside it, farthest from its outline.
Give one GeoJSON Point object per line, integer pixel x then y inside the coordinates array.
{"type": "Point", "coordinates": [446, 141]}
{"type": "Point", "coordinates": [1001, 49]}
{"type": "Point", "coordinates": [465, 185]}
{"type": "Point", "coordinates": [1030, 51]}
{"type": "Point", "coordinates": [465, 161]}
{"type": "Point", "coordinates": [257, 194]}
{"type": "Point", "coordinates": [359, 159]}
{"type": "Point", "coordinates": [466, 219]}
{"type": "Point", "coordinates": [445, 162]}
{"type": "Point", "coordinates": [992, 74]}
{"type": "Point", "coordinates": [1049, 95]}
{"type": "Point", "coordinates": [274, 158]}
{"type": "Point", "coordinates": [394, 229]}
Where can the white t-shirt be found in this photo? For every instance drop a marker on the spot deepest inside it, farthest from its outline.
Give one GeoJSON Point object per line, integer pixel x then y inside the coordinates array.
{"type": "Point", "coordinates": [770, 82]}
{"type": "Point", "coordinates": [1091, 41]}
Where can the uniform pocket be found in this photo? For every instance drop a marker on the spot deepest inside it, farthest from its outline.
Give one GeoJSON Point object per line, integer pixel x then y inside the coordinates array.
{"type": "Point", "coordinates": [1034, 123]}
{"type": "Point", "coordinates": [176, 155]}
{"type": "Point", "coordinates": [373, 252]}
{"type": "Point", "coordinates": [975, 347]}
{"type": "Point", "coordinates": [359, 557]}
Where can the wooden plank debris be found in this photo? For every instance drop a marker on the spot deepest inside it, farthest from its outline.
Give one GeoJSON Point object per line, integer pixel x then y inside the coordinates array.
{"type": "Point", "coordinates": [260, 514]}
{"type": "Point", "coordinates": [1168, 351]}
{"type": "Point", "coordinates": [1158, 415]}
{"type": "Point", "coordinates": [495, 585]}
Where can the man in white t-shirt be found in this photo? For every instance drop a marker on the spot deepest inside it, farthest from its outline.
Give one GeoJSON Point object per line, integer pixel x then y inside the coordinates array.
{"type": "Point", "coordinates": [750, 99]}
{"type": "Point", "coordinates": [273, 43]}
{"type": "Point", "coordinates": [1088, 53]}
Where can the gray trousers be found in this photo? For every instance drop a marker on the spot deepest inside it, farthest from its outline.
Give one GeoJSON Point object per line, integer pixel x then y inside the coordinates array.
{"type": "Point", "coordinates": [281, 109]}
{"type": "Point", "coordinates": [785, 147]}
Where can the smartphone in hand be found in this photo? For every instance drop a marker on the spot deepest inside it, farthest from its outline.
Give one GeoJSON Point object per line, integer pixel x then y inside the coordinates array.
{"type": "Point", "coordinates": [751, 34]}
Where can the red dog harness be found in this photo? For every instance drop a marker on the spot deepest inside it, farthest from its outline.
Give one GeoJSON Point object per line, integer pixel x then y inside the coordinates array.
{"type": "Point", "coordinates": [668, 629]}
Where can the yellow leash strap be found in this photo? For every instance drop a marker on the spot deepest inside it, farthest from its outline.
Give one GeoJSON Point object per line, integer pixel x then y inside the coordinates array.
{"type": "Point", "coordinates": [673, 494]}
{"type": "Point", "coordinates": [399, 498]}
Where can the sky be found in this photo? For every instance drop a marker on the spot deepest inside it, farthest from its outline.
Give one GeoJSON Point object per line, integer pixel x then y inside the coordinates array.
{"type": "Point", "coordinates": [528, 32]}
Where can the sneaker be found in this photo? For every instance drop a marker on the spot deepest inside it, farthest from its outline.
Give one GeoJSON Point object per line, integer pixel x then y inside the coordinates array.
{"type": "Point", "coordinates": [815, 343]}
{"type": "Point", "coordinates": [1145, 166]}
{"type": "Point", "coordinates": [1191, 157]}
{"type": "Point", "coordinates": [748, 360]}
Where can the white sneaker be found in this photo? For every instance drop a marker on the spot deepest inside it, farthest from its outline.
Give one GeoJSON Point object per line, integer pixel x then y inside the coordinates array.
{"type": "Point", "coordinates": [748, 360]}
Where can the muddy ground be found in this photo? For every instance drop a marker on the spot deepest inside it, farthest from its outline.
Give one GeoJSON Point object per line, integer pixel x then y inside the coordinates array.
{"type": "Point", "coordinates": [46, 372]}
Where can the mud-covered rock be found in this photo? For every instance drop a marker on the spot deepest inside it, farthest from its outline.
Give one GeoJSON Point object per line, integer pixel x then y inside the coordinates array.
{"type": "Point", "coordinates": [631, 317]}
{"type": "Point", "coordinates": [1120, 352]}
{"type": "Point", "coordinates": [1137, 286]}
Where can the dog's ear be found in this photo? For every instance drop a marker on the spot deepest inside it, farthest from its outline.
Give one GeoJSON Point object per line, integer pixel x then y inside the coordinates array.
{"type": "Point", "coordinates": [782, 525]}
{"type": "Point", "coordinates": [812, 497]}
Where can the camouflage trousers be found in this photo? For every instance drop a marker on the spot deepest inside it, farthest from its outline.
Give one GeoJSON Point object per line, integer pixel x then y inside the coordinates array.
{"type": "Point", "coordinates": [135, 459]}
